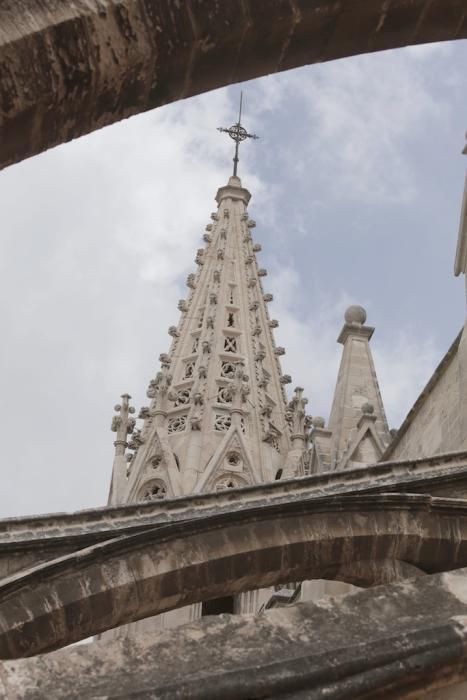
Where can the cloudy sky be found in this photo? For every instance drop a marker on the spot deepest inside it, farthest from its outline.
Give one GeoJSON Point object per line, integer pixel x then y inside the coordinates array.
{"type": "Point", "coordinates": [357, 183]}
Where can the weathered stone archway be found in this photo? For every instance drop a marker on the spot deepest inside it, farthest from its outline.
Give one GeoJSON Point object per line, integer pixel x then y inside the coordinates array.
{"type": "Point", "coordinates": [137, 576]}
{"type": "Point", "coordinates": [68, 68]}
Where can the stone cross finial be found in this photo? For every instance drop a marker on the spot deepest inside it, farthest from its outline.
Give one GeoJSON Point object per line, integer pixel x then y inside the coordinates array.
{"type": "Point", "coordinates": [122, 424]}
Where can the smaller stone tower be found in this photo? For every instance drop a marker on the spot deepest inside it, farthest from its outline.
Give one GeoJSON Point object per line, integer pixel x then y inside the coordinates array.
{"type": "Point", "coordinates": [358, 432]}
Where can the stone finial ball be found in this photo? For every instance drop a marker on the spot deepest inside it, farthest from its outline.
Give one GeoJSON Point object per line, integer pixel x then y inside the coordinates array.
{"type": "Point", "coordinates": [368, 408]}
{"type": "Point", "coordinates": [318, 422]}
{"type": "Point", "coordinates": [355, 314]}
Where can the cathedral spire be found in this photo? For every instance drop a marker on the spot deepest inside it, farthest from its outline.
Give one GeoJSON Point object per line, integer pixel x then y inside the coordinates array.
{"type": "Point", "coordinates": [218, 415]}
{"type": "Point", "coordinates": [238, 133]}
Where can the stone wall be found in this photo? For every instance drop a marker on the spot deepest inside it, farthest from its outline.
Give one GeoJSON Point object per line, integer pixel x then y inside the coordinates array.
{"type": "Point", "coordinates": [435, 423]}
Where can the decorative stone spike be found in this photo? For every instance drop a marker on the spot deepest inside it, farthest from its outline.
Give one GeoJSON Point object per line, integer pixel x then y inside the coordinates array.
{"type": "Point", "coordinates": [286, 379]}
{"type": "Point", "coordinates": [214, 216]}
{"type": "Point", "coordinates": [207, 238]}
{"type": "Point", "coordinates": [191, 280]}
{"type": "Point", "coordinates": [257, 248]}
{"type": "Point", "coordinates": [173, 332]}
{"type": "Point", "coordinates": [209, 227]}
{"type": "Point", "coordinates": [273, 323]}
{"type": "Point", "coordinates": [268, 297]}
{"type": "Point", "coordinates": [262, 272]}
{"type": "Point", "coordinates": [251, 223]}
{"type": "Point", "coordinates": [279, 350]}
{"type": "Point", "coordinates": [182, 305]}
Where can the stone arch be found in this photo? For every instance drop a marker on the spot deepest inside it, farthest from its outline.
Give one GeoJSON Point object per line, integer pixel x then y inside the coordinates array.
{"type": "Point", "coordinates": [98, 62]}
{"type": "Point", "coordinates": [229, 481]}
{"type": "Point", "coordinates": [153, 490]}
{"type": "Point", "coordinates": [136, 576]}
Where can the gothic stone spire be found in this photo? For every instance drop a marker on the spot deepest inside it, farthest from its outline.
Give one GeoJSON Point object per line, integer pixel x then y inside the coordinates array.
{"type": "Point", "coordinates": [218, 414]}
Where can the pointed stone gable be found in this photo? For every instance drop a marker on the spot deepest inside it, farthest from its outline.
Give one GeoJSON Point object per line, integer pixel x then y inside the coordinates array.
{"type": "Point", "coordinates": [230, 466]}
{"type": "Point", "coordinates": [356, 388]}
{"type": "Point", "coordinates": [218, 400]}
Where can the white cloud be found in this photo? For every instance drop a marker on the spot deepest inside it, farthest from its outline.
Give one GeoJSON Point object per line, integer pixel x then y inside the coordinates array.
{"type": "Point", "coordinates": [404, 362]}
{"type": "Point", "coordinates": [404, 365]}
{"type": "Point", "coordinates": [356, 117]}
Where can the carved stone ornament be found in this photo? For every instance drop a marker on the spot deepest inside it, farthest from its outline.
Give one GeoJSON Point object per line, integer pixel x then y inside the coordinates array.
{"type": "Point", "coordinates": [257, 248]}
{"type": "Point", "coordinates": [251, 223]}
{"type": "Point", "coordinates": [262, 272]}
{"type": "Point", "coordinates": [208, 227]}
{"type": "Point", "coordinates": [154, 491]}
{"type": "Point", "coordinates": [274, 323]}
{"type": "Point", "coordinates": [268, 297]}
{"type": "Point", "coordinates": [279, 350]}
{"type": "Point", "coordinates": [207, 238]}
{"type": "Point", "coordinates": [159, 386]}
{"type": "Point", "coordinates": [213, 298]}
{"type": "Point", "coordinates": [173, 332]}
{"type": "Point", "coordinates": [223, 233]}
{"type": "Point", "coordinates": [210, 322]}
{"type": "Point", "coordinates": [191, 280]}
{"type": "Point", "coordinates": [195, 421]}
{"type": "Point", "coordinates": [239, 389]}
{"type": "Point", "coordinates": [198, 398]}
{"type": "Point", "coordinates": [144, 412]}
{"type": "Point", "coordinates": [206, 345]}
{"type": "Point", "coordinates": [217, 275]}
{"type": "Point", "coordinates": [182, 305]}
{"type": "Point", "coordinates": [202, 372]}
{"type": "Point", "coordinates": [286, 379]}
{"type": "Point", "coordinates": [215, 216]}
{"type": "Point", "coordinates": [296, 414]}
{"type": "Point", "coordinates": [136, 440]}
{"type": "Point", "coordinates": [220, 254]}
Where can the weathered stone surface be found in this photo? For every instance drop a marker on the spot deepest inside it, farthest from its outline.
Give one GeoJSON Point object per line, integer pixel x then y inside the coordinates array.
{"type": "Point", "coordinates": [28, 541]}
{"type": "Point", "coordinates": [68, 68]}
{"type": "Point", "coordinates": [396, 641]}
{"type": "Point", "coordinates": [136, 576]}
{"type": "Point", "coordinates": [437, 421]}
